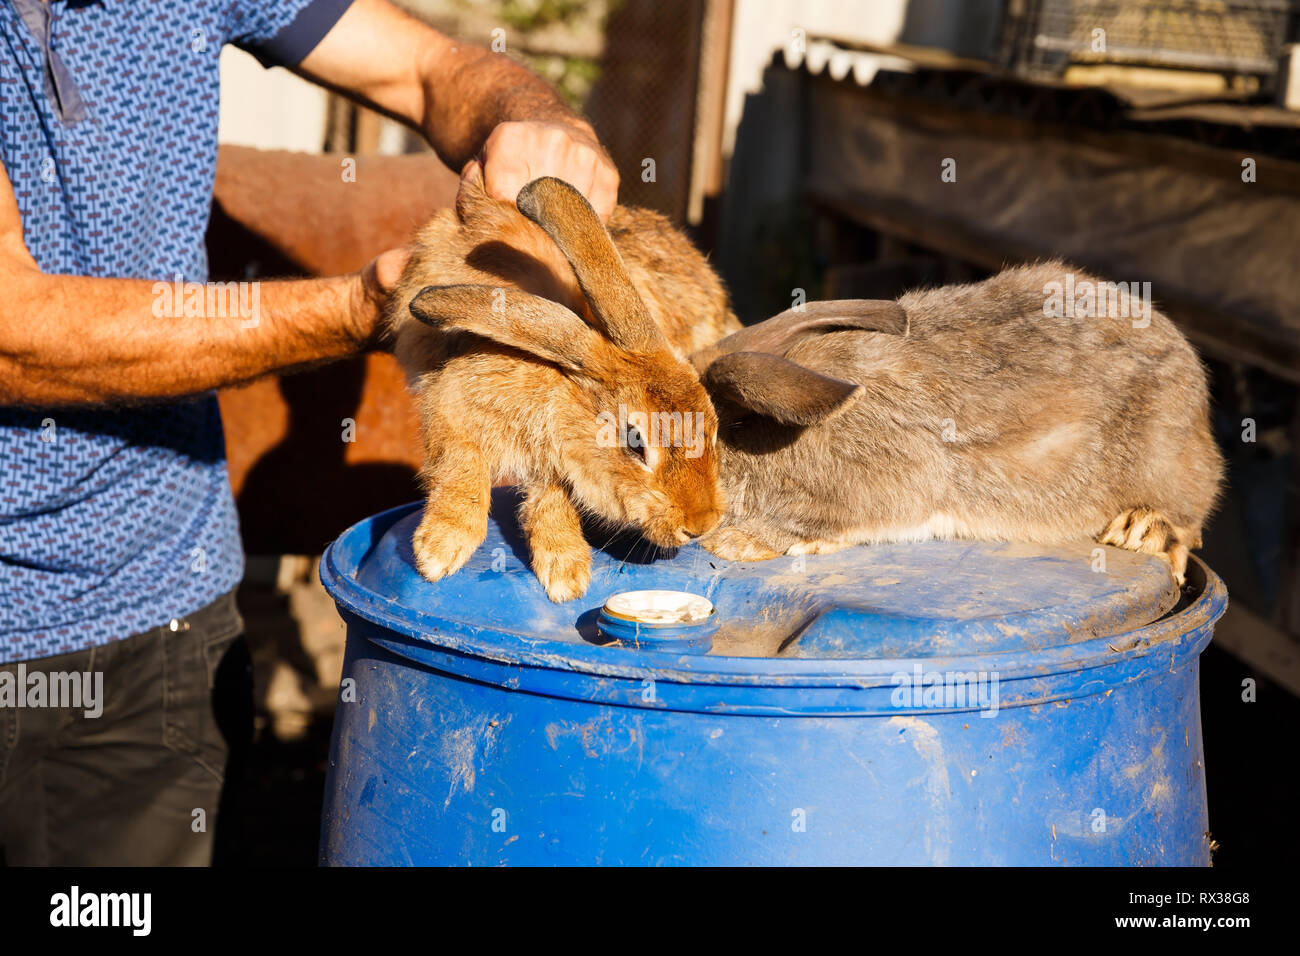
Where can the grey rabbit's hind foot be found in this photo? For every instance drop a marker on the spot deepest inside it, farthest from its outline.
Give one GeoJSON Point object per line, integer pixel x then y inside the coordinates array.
{"type": "Point", "coordinates": [1147, 531]}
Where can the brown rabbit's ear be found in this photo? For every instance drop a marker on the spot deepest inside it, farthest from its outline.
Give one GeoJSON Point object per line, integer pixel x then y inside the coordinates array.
{"type": "Point", "coordinates": [779, 333]}
{"type": "Point", "coordinates": [510, 317]}
{"type": "Point", "coordinates": [573, 225]}
{"type": "Point", "coordinates": [778, 388]}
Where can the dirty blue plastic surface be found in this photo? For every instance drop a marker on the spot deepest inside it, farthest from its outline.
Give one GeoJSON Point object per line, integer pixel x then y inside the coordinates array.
{"type": "Point", "coordinates": [936, 703]}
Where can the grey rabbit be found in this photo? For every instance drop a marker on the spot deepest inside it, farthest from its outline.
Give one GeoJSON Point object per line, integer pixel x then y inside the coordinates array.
{"type": "Point", "coordinates": [962, 412]}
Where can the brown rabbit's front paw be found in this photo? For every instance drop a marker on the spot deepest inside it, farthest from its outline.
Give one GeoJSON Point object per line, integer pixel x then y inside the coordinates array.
{"type": "Point", "coordinates": [565, 575]}
{"type": "Point", "coordinates": [442, 548]}
{"type": "Point", "coordinates": [561, 558]}
{"type": "Point", "coordinates": [732, 544]}
{"type": "Point", "coordinates": [1149, 532]}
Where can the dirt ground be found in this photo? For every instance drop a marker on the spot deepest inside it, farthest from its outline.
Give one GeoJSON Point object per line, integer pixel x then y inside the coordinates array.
{"type": "Point", "coordinates": [293, 646]}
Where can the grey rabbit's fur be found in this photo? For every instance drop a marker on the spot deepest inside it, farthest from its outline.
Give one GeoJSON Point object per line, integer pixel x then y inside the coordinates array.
{"type": "Point", "coordinates": [960, 412]}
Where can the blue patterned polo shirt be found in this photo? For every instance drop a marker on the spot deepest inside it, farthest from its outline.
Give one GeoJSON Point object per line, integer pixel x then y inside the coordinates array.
{"type": "Point", "coordinates": [114, 521]}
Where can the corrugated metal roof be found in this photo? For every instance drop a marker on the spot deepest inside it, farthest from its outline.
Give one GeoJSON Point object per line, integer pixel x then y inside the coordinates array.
{"type": "Point", "coordinates": [839, 62]}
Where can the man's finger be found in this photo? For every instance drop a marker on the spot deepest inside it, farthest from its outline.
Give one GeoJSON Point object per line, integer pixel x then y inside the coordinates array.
{"type": "Point", "coordinates": [472, 170]}
{"type": "Point", "coordinates": [581, 169]}
{"type": "Point", "coordinates": [390, 265]}
{"type": "Point", "coordinates": [604, 189]}
{"type": "Point", "coordinates": [504, 178]}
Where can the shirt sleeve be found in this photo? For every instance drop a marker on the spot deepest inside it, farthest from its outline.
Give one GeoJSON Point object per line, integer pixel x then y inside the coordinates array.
{"type": "Point", "coordinates": [281, 32]}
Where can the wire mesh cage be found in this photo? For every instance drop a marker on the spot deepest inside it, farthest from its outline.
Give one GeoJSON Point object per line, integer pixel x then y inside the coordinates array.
{"type": "Point", "coordinates": [1042, 38]}
{"type": "Point", "coordinates": [643, 103]}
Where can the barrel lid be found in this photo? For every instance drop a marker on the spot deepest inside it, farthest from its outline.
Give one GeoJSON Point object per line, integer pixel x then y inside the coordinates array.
{"type": "Point", "coordinates": [898, 601]}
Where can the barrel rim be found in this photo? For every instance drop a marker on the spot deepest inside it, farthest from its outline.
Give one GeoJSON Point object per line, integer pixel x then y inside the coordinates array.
{"type": "Point", "coordinates": [503, 647]}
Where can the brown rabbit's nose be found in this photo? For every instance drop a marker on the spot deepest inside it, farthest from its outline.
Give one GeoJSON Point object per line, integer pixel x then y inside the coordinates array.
{"type": "Point", "coordinates": [701, 522]}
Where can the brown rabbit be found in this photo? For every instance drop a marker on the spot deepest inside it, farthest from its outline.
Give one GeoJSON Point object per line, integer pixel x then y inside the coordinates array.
{"type": "Point", "coordinates": [487, 241]}
{"type": "Point", "coordinates": [961, 412]}
{"type": "Point", "coordinates": [570, 343]}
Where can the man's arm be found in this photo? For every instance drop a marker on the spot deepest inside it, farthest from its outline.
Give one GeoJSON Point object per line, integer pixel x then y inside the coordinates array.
{"type": "Point", "coordinates": [463, 98]}
{"type": "Point", "coordinates": [69, 340]}
{"type": "Point", "coordinates": [72, 340]}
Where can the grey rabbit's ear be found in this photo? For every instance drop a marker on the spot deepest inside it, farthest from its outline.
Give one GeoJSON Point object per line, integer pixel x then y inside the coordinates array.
{"type": "Point", "coordinates": [573, 225]}
{"type": "Point", "coordinates": [778, 388]}
{"type": "Point", "coordinates": [779, 333]}
{"type": "Point", "coordinates": [510, 317]}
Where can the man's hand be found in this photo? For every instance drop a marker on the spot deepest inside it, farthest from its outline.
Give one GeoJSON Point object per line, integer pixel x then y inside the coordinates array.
{"type": "Point", "coordinates": [468, 102]}
{"type": "Point", "coordinates": [371, 288]}
{"type": "Point", "coordinates": [516, 153]}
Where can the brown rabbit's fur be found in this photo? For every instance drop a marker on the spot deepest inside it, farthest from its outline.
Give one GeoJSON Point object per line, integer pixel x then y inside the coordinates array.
{"type": "Point", "coordinates": [1056, 428]}
{"type": "Point", "coordinates": [487, 241]}
{"type": "Point", "coordinates": [518, 400]}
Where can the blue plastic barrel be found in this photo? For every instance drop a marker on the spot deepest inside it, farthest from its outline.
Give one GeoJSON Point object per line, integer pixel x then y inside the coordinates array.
{"type": "Point", "coordinates": [935, 703]}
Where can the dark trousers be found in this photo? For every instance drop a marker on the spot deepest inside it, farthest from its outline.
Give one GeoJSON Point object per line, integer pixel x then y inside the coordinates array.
{"type": "Point", "coordinates": [140, 784]}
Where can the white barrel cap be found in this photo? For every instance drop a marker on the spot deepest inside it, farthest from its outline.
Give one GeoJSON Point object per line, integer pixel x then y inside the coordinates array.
{"type": "Point", "coordinates": [659, 607]}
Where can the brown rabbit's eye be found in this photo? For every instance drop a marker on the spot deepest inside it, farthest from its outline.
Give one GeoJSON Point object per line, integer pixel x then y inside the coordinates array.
{"type": "Point", "coordinates": [635, 444]}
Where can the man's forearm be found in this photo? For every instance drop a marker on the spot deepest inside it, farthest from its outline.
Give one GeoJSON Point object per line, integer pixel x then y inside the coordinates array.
{"type": "Point", "coordinates": [452, 91]}
{"type": "Point", "coordinates": [69, 340]}
{"type": "Point", "coordinates": [469, 91]}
